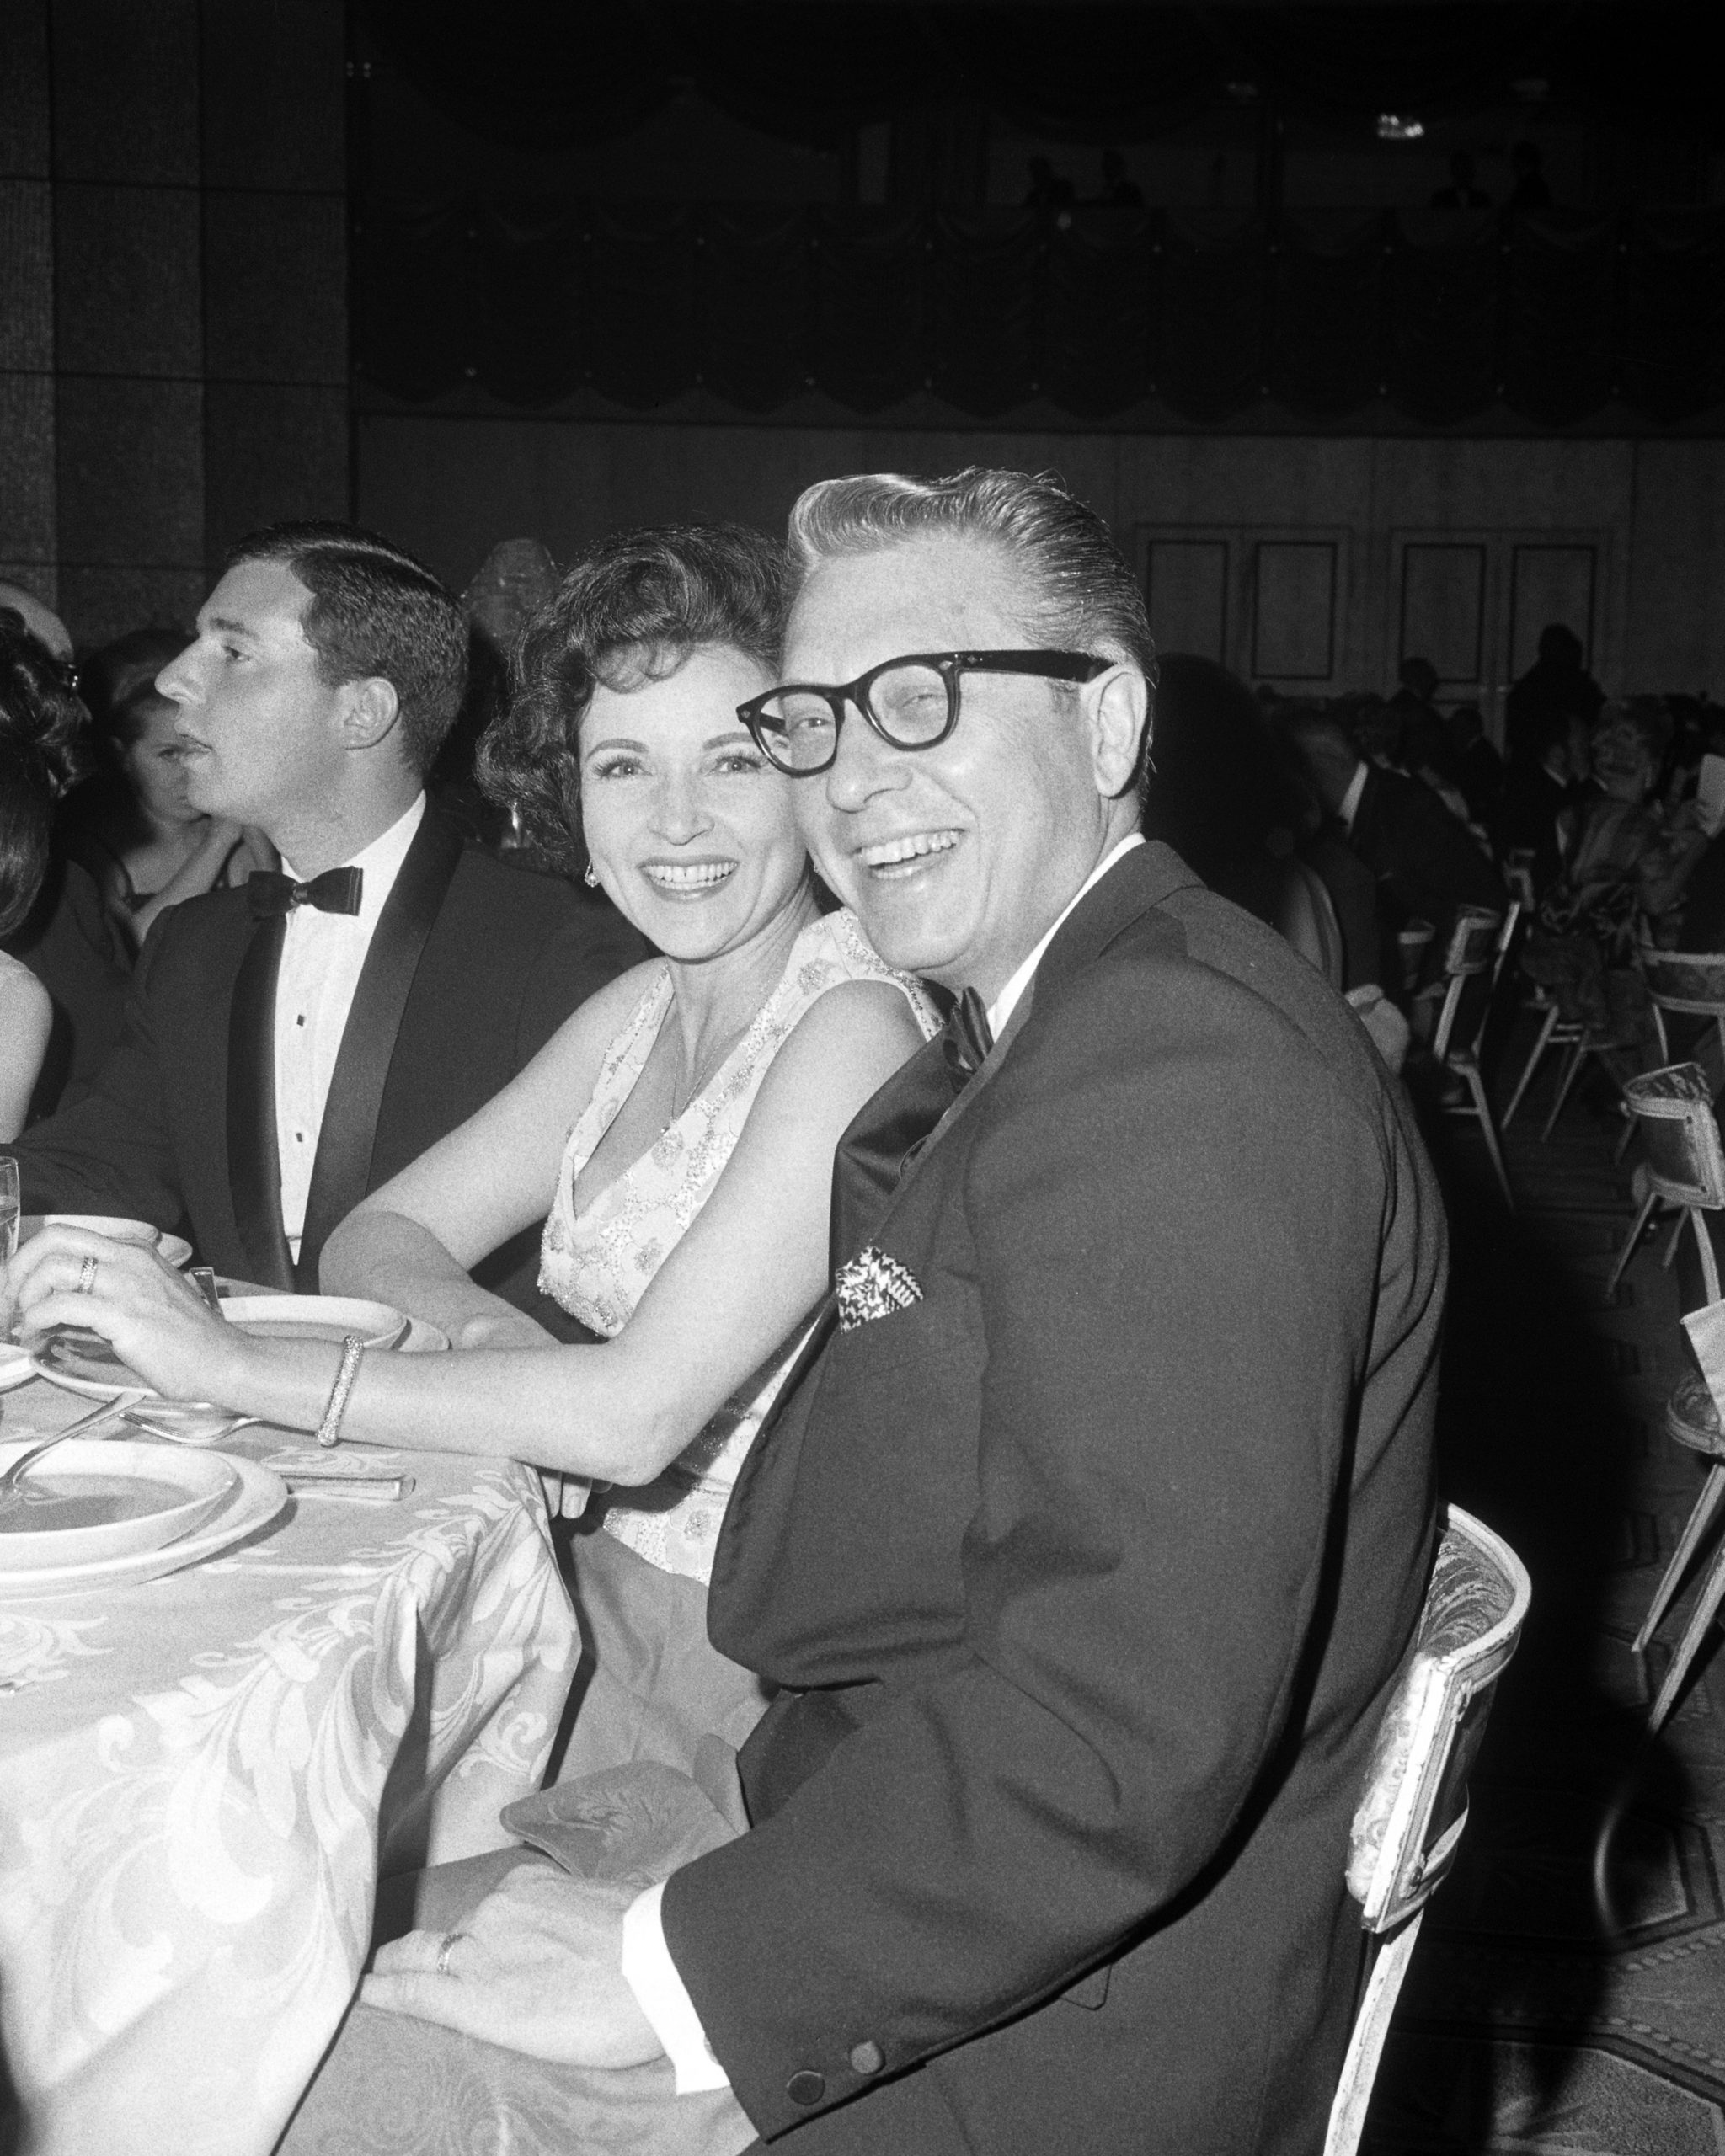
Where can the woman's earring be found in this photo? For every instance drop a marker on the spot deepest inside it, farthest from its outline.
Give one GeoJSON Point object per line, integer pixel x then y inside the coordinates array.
{"type": "Point", "coordinates": [588, 878]}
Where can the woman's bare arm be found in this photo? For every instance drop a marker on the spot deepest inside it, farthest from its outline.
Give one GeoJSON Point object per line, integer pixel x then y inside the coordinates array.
{"type": "Point", "coordinates": [26, 1019]}
{"type": "Point", "coordinates": [414, 1241]}
{"type": "Point", "coordinates": [752, 1264]}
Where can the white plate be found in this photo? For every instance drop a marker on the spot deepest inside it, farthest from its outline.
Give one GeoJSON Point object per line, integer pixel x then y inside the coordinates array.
{"type": "Point", "coordinates": [180, 1491]}
{"type": "Point", "coordinates": [16, 1365]}
{"type": "Point", "coordinates": [114, 1225]}
{"type": "Point", "coordinates": [258, 1497]}
{"type": "Point", "coordinates": [318, 1317]}
{"type": "Point", "coordinates": [175, 1249]}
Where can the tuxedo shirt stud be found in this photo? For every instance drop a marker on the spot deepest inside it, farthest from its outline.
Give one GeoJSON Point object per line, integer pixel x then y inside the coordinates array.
{"type": "Point", "coordinates": [867, 2057]}
{"type": "Point", "coordinates": [806, 2088]}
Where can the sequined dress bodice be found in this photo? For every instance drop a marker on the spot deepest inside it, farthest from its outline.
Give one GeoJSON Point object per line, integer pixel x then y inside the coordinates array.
{"type": "Point", "coordinates": [598, 1264]}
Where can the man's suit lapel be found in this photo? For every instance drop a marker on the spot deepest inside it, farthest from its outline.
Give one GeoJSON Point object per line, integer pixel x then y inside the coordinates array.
{"type": "Point", "coordinates": [254, 1165]}
{"type": "Point", "coordinates": [893, 1135]}
{"type": "Point", "coordinates": [341, 1171]}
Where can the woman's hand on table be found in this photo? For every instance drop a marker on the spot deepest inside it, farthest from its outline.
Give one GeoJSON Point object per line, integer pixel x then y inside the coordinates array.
{"type": "Point", "coordinates": [154, 1319]}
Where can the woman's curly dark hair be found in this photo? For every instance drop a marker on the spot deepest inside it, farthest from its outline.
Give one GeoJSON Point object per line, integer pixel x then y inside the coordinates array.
{"type": "Point", "coordinates": [40, 707]}
{"type": "Point", "coordinates": [632, 609]}
{"type": "Point", "coordinates": [26, 828]}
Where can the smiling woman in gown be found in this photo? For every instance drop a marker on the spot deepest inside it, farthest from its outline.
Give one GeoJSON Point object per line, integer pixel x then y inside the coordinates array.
{"type": "Point", "coordinates": [676, 1138]}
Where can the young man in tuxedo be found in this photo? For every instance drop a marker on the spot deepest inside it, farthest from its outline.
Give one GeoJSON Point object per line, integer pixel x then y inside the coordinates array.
{"type": "Point", "coordinates": [1098, 1516]}
{"type": "Point", "coordinates": [290, 1045]}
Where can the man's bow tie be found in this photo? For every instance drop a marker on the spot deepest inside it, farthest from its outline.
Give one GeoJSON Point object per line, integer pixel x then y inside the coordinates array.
{"type": "Point", "coordinates": [965, 1038]}
{"type": "Point", "coordinates": [337, 890]}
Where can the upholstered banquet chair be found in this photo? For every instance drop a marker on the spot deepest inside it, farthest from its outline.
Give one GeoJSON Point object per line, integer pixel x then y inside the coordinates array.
{"type": "Point", "coordinates": [1692, 1421]}
{"type": "Point", "coordinates": [1477, 945]}
{"type": "Point", "coordinates": [1684, 1165]}
{"type": "Point", "coordinates": [1411, 1815]}
{"type": "Point", "coordinates": [1684, 983]}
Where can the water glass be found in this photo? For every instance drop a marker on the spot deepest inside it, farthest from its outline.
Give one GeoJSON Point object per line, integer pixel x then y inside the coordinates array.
{"type": "Point", "coordinates": [8, 1208]}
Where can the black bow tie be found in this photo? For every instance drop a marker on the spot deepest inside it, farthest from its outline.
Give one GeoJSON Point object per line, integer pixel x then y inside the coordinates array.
{"type": "Point", "coordinates": [965, 1038]}
{"type": "Point", "coordinates": [337, 890]}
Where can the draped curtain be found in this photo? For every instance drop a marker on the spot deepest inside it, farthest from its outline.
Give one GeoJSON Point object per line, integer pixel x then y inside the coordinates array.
{"type": "Point", "coordinates": [1446, 314]}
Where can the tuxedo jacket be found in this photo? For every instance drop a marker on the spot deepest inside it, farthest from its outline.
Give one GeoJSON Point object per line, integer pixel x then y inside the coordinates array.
{"type": "Point", "coordinates": [472, 966]}
{"type": "Point", "coordinates": [1529, 814]}
{"type": "Point", "coordinates": [1088, 1540]}
{"type": "Point", "coordinates": [1426, 864]}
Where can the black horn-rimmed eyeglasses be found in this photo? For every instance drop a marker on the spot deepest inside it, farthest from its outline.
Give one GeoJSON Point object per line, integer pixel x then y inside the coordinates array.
{"type": "Point", "coordinates": [910, 702]}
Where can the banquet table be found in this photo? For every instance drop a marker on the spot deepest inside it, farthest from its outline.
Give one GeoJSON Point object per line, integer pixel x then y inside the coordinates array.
{"type": "Point", "coordinates": [202, 1779]}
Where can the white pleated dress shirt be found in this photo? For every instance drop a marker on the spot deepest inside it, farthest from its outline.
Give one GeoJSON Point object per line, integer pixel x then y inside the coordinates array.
{"type": "Point", "coordinates": [648, 1967]}
{"type": "Point", "coordinates": [322, 956]}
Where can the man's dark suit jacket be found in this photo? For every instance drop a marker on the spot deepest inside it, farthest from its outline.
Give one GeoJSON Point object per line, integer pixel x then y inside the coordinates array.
{"type": "Point", "coordinates": [1091, 1555]}
{"type": "Point", "coordinates": [1425, 863]}
{"type": "Point", "coordinates": [472, 966]}
{"type": "Point", "coordinates": [1528, 812]}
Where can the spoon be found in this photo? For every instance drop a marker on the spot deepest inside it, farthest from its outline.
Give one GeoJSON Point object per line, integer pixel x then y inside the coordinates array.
{"type": "Point", "coordinates": [11, 1493]}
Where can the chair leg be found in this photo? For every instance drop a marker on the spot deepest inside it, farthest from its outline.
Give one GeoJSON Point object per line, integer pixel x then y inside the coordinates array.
{"type": "Point", "coordinates": [1625, 1138]}
{"type": "Point", "coordinates": [1371, 2025]}
{"type": "Point", "coordinates": [1482, 1109]}
{"type": "Point", "coordinates": [1712, 1594]}
{"type": "Point", "coordinates": [1627, 1252]}
{"type": "Point", "coordinates": [1669, 1259]}
{"type": "Point", "coordinates": [1572, 1071]}
{"type": "Point", "coordinates": [1706, 1506]}
{"type": "Point", "coordinates": [1532, 1063]}
{"type": "Point", "coordinates": [1704, 1244]}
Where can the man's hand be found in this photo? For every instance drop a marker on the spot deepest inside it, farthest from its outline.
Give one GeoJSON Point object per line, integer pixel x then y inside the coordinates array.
{"type": "Point", "coordinates": [536, 1968]}
{"type": "Point", "coordinates": [505, 1327]}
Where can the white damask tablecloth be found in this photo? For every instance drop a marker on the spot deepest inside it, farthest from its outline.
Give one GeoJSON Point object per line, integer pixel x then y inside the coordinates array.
{"type": "Point", "coordinates": [201, 1779]}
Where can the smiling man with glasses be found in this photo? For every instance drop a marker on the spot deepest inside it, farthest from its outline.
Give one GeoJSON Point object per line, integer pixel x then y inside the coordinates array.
{"type": "Point", "coordinates": [1097, 1516]}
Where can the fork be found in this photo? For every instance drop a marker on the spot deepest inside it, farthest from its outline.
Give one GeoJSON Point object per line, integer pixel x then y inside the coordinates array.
{"type": "Point", "coordinates": [11, 1492]}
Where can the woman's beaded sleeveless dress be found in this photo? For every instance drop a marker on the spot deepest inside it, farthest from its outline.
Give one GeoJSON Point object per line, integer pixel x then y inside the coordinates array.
{"type": "Point", "coordinates": [647, 1631]}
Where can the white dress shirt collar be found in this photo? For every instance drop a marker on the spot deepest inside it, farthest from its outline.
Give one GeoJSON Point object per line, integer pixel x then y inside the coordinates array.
{"type": "Point", "coordinates": [1006, 1001]}
{"type": "Point", "coordinates": [379, 863]}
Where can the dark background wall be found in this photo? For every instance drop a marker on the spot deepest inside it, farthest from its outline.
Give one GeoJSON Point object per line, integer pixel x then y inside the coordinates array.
{"type": "Point", "coordinates": [173, 361]}
{"type": "Point", "coordinates": [645, 262]}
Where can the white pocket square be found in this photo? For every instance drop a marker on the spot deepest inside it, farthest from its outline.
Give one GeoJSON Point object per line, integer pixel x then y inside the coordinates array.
{"type": "Point", "coordinates": [872, 1285]}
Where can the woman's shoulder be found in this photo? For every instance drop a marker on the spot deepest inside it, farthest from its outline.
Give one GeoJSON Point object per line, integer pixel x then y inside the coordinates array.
{"type": "Point", "coordinates": [608, 1010]}
{"type": "Point", "coordinates": [25, 1003]}
{"type": "Point", "coordinates": [832, 954]}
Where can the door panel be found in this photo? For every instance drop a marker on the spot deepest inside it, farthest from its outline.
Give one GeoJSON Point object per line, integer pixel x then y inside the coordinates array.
{"type": "Point", "coordinates": [1548, 584]}
{"type": "Point", "coordinates": [1294, 619]}
{"type": "Point", "coordinates": [1443, 614]}
{"type": "Point", "coordinates": [1186, 584]}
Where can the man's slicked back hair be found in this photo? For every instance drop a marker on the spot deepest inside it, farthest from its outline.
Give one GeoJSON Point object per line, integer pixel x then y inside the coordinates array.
{"type": "Point", "coordinates": [1075, 589]}
{"type": "Point", "coordinates": [375, 611]}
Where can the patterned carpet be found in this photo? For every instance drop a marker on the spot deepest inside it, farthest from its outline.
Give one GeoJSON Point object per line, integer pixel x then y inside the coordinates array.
{"type": "Point", "coordinates": [1568, 1994]}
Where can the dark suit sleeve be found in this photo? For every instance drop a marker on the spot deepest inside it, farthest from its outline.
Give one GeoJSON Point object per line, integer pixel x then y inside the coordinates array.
{"type": "Point", "coordinates": [112, 1151]}
{"type": "Point", "coordinates": [1176, 1213]}
{"type": "Point", "coordinates": [1420, 851]}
